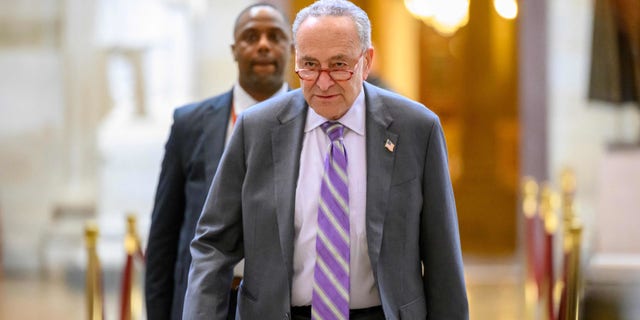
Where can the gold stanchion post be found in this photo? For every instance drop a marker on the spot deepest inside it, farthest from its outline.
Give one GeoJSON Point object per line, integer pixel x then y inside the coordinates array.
{"type": "Point", "coordinates": [131, 293]}
{"type": "Point", "coordinates": [549, 202]}
{"type": "Point", "coordinates": [93, 286]}
{"type": "Point", "coordinates": [531, 230]}
{"type": "Point", "coordinates": [574, 276]}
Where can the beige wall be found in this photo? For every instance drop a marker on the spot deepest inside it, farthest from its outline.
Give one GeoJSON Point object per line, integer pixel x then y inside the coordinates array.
{"type": "Point", "coordinates": [53, 101]}
{"type": "Point", "coordinates": [67, 143]}
{"type": "Point", "coordinates": [580, 130]}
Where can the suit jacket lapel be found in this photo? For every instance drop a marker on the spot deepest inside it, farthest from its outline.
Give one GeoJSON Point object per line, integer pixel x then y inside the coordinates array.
{"type": "Point", "coordinates": [215, 133]}
{"type": "Point", "coordinates": [286, 142]}
{"type": "Point", "coordinates": [379, 169]}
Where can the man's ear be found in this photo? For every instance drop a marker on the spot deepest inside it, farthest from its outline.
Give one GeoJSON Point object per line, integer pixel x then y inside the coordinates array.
{"type": "Point", "coordinates": [233, 51]}
{"type": "Point", "coordinates": [368, 58]}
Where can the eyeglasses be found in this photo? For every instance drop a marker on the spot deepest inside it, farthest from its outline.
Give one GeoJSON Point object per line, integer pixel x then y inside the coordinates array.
{"type": "Point", "coordinates": [335, 74]}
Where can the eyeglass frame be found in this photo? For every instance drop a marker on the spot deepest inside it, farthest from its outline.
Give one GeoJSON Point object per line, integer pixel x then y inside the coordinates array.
{"type": "Point", "coordinates": [328, 71]}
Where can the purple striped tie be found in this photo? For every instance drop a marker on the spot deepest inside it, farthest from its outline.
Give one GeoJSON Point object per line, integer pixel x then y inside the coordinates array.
{"type": "Point", "coordinates": [330, 299]}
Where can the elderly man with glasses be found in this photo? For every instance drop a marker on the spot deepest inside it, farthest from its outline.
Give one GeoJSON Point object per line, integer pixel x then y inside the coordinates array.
{"type": "Point", "coordinates": [337, 195]}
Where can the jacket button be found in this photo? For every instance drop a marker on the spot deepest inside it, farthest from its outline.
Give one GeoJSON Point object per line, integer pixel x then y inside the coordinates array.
{"type": "Point", "coordinates": [286, 316]}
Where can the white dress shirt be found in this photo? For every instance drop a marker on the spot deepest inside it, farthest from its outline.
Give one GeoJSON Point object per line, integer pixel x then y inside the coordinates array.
{"type": "Point", "coordinates": [243, 100]}
{"type": "Point", "coordinates": [363, 293]}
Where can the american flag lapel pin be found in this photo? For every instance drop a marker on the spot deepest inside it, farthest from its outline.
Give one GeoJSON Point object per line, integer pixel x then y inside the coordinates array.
{"type": "Point", "coordinates": [389, 145]}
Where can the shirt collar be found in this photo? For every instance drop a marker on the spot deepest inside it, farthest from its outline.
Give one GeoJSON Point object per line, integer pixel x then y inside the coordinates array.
{"type": "Point", "coordinates": [353, 119]}
{"type": "Point", "coordinates": [243, 100]}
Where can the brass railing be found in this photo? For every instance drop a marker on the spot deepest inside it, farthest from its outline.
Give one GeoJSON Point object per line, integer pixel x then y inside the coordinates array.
{"type": "Point", "coordinates": [93, 285]}
{"type": "Point", "coordinates": [549, 294]}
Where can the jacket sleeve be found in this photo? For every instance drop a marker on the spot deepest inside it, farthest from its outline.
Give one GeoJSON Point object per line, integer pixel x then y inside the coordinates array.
{"type": "Point", "coordinates": [441, 255]}
{"type": "Point", "coordinates": [166, 221]}
{"type": "Point", "coordinates": [218, 244]}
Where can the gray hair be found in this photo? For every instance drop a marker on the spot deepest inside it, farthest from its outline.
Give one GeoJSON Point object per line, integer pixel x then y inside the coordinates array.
{"type": "Point", "coordinates": [337, 8]}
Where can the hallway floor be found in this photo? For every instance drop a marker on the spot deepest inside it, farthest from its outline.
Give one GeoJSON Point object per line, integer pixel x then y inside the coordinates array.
{"type": "Point", "coordinates": [495, 292]}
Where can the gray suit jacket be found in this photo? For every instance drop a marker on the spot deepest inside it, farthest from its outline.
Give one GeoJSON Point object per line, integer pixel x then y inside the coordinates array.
{"type": "Point", "coordinates": [410, 220]}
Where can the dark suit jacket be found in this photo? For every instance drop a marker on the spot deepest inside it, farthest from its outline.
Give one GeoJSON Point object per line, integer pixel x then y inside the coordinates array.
{"type": "Point", "coordinates": [410, 214]}
{"type": "Point", "coordinates": [192, 154]}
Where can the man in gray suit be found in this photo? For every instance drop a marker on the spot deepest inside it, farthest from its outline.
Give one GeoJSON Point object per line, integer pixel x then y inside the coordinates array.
{"type": "Point", "coordinates": [267, 199]}
{"type": "Point", "coordinates": [262, 48]}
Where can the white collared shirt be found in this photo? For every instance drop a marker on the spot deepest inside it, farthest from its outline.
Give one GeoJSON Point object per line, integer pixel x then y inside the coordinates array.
{"type": "Point", "coordinates": [364, 292]}
{"type": "Point", "coordinates": [243, 100]}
